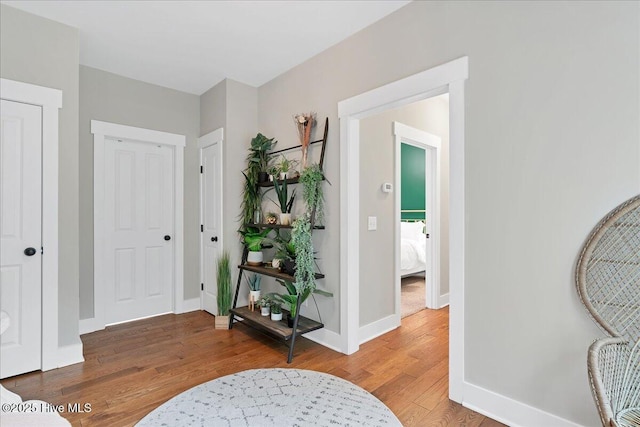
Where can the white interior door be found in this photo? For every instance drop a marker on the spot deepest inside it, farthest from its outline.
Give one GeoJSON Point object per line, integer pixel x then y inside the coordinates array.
{"type": "Point", "coordinates": [211, 202]}
{"type": "Point", "coordinates": [139, 235]}
{"type": "Point", "coordinates": [21, 237]}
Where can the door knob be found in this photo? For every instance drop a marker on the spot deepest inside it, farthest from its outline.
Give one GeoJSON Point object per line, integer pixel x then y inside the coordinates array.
{"type": "Point", "coordinates": [167, 237]}
{"type": "Point", "coordinates": [30, 251]}
{"type": "Point", "coordinates": [214, 239]}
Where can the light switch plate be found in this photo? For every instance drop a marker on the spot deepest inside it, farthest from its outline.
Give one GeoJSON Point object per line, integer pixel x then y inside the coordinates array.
{"type": "Point", "coordinates": [372, 223]}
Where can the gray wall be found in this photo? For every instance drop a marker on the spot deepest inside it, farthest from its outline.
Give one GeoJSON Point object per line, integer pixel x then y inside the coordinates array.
{"type": "Point", "coordinates": [552, 131]}
{"type": "Point", "coordinates": [42, 52]}
{"type": "Point", "coordinates": [116, 99]}
{"type": "Point", "coordinates": [377, 165]}
{"type": "Point", "coordinates": [232, 106]}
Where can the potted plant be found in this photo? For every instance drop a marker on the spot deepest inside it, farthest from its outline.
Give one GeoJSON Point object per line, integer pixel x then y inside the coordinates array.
{"type": "Point", "coordinates": [257, 161]}
{"type": "Point", "coordinates": [295, 292]}
{"type": "Point", "coordinates": [253, 238]}
{"type": "Point", "coordinates": [311, 179]}
{"type": "Point", "coordinates": [285, 166]}
{"type": "Point", "coordinates": [273, 172]}
{"type": "Point", "coordinates": [224, 291]}
{"type": "Point", "coordinates": [285, 253]}
{"type": "Point", "coordinates": [284, 201]}
{"type": "Point", "coordinates": [253, 282]}
{"type": "Point", "coordinates": [265, 305]}
{"type": "Point", "coordinates": [258, 154]}
{"type": "Point", "coordinates": [276, 311]}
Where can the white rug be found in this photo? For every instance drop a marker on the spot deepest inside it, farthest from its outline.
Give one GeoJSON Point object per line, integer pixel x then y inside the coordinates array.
{"type": "Point", "coordinates": [273, 397]}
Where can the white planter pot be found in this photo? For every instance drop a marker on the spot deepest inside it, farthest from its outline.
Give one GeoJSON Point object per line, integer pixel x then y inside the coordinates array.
{"type": "Point", "coordinates": [275, 263]}
{"type": "Point", "coordinates": [285, 219]}
{"type": "Point", "coordinates": [255, 258]}
{"type": "Point", "coordinates": [283, 175]}
{"type": "Point", "coordinates": [276, 317]}
{"type": "Point", "coordinates": [254, 296]}
{"type": "Point", "coordinates": [264, 310]}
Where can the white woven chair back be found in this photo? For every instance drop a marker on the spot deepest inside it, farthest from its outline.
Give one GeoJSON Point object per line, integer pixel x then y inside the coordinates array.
{"type": "Point", "coordinates": [608, 272]}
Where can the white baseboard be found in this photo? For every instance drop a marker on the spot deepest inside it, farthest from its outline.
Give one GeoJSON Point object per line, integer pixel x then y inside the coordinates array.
{"type": "Point", "coordinates": [509, 411]}
{"type": "Point", "coordinates": [443, 300]}
{"type": "Point", "coordinates": [326, 338]}
{"type": "Point", "coordinates": [188, 305]}
{"type": "Point", "coordinates": [90, 325]}
{"type": "Point", "coordinates": [70, 354]}
{"type": "Point", "coordinates": [377, 328]}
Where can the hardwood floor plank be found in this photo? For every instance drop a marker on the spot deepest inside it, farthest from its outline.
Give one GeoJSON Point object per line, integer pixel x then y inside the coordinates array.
{"type": "Point", "coordinates": [131, 369]}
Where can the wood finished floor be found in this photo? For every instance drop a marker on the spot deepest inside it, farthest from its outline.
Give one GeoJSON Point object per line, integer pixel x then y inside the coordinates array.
{"type": "Point", "coordinates": [131, 369]}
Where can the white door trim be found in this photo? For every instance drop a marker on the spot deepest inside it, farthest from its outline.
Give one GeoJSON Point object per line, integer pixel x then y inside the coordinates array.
{"type": "Point", "coordinates": [100, 131]}
{"type": "Point", "coordinates": [216, 136]}
{"type": "Point", "coordinates": [450, 76]}
{"type": "Point", "coordinates": [51, 101]}
{"type": "Point", "coordinates": [432, 145]}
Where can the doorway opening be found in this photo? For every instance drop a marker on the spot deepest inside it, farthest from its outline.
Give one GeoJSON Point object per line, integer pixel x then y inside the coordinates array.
{"type": "Point", "coordinates": [449, 77]}
{"type": "Point", "coordinates": [421, 205]}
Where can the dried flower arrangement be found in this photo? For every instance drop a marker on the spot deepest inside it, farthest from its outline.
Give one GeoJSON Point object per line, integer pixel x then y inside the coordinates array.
{"type": "Point", "coordinates": [304, 122]}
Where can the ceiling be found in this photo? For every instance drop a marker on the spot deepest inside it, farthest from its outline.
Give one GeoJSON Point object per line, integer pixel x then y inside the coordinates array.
{"type": "Point", "coordinates": [192, 45]}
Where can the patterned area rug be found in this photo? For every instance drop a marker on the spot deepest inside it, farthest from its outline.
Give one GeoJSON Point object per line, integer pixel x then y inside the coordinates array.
{"type": "Point", "coordinates": [273, 397]}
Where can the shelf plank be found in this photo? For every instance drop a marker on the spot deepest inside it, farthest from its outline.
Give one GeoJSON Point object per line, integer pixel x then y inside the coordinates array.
{"type": "Point", "coordinates": [280, 226]}
{"type": "Point", "coordinates": [279, 329]}
{"type": "Point", "coordinates": [288, 180]}
{"type": "Point", "coordinates": [273, 272]}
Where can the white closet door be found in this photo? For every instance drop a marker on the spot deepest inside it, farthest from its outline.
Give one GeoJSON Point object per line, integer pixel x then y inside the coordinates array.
{"type": "Point", "coordinates": [139, 237]}
{"type": "Point", "coordinates": [211, 224]}
{"type": "Point", "coordinates": [20, 235]}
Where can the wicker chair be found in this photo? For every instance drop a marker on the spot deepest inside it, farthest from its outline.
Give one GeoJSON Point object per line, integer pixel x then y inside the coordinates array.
{"type": "Point", "coordinates": [608, 282]}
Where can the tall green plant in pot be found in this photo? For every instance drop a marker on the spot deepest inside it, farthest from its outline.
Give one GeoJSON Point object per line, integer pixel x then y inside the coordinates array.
{"type": "Point", "coordinates": [223, 277]}
{"type": "Point", "coordinates": [284, 201]}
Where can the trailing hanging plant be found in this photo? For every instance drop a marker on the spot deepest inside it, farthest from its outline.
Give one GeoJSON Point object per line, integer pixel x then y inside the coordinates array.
{"type": "Point", "coordinates": [301, 239]}
{"type": "Point", "coordinates": [311, 179]}
{"type": "Point", "coordinates": [224, 284]}
{"type": "Point", "coordinates": [251, 198]}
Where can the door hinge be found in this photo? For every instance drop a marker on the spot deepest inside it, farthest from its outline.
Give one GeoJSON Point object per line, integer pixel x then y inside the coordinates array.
{"type": "Point", "coordinates": [41, 250]}
{"type": "Point", "coordinates": [202, 228]}
{"type": "Point", "coordinates": [201, 169]}
{"type": "Point", "coordinates": [427, 235]}
{"type": "Point", "coordinates": [202, 286]}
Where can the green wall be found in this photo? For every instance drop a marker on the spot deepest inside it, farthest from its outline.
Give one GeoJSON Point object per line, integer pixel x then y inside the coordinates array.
{"type": "Point", "coordinates": [412, 178]}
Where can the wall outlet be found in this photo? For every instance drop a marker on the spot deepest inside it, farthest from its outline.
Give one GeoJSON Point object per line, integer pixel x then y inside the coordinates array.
{"type": "Point", "coordinates": [372, 223]}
